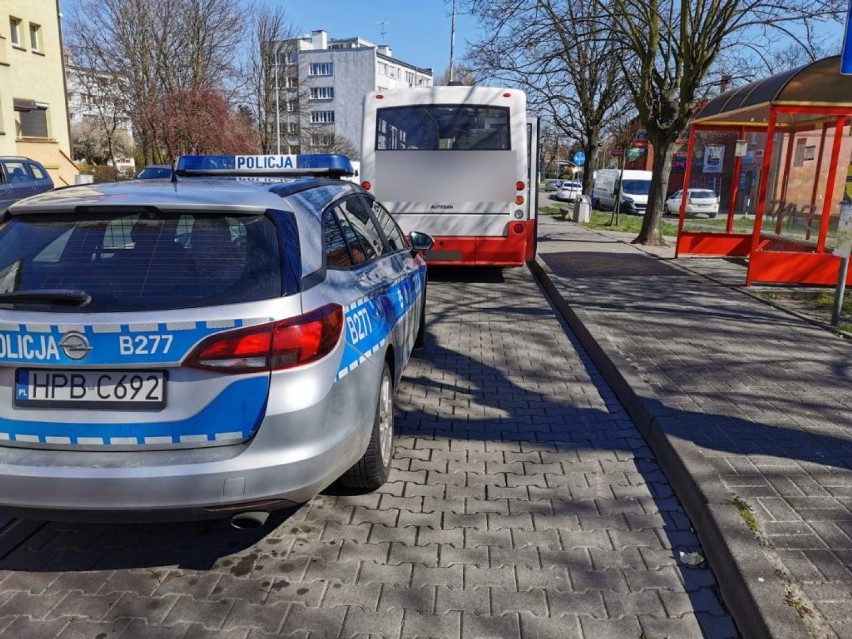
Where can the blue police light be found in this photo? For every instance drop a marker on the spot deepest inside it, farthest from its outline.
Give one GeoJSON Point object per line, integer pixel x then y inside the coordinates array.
{"type": "Point", "coordinates": [320, 164]}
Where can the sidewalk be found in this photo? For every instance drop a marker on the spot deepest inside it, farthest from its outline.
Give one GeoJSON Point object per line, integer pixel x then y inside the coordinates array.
{"type": "Point", "coordinates": [748, 408]}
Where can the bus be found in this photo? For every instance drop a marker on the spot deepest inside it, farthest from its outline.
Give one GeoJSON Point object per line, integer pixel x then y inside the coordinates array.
{"type": "Point", "coordinates": [459, 163]}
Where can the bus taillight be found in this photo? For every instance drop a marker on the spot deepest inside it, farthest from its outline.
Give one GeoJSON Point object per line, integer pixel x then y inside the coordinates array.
{"type": "Point", "coordinates": [519, 200]}
{"type": "Point", "coordinates": [519, 186]}
{"type": "Point", "coordinates": [366, 185]}
{"type": "Point", "coordinates": [519, 228]}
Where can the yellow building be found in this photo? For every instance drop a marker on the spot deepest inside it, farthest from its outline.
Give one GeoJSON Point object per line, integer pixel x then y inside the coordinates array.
{"type": "Point", "coordinates": [33, 110]}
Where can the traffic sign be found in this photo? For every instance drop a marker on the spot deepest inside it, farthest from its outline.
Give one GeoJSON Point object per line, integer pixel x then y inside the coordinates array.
{"type": "Point", "coordinates": [846, 52]}
{"type": "Point", "coordinates": [617, 153]}
{"type": "Point", "coordinates": [579, 158]}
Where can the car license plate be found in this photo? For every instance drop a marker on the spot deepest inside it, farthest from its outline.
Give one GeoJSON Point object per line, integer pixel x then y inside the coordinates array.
{"type": "Point", "coordinates": [90, 389]}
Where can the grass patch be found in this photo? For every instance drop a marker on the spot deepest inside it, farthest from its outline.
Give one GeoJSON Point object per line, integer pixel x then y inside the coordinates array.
{"type": "Point", "coordinates": [817, 304]}
{"type": "Point", "coordinates": [791, 600]}
{"type": "Point", "coordinates": [745, 512]}
{"type": "Point", "coordinates": [626, 223]}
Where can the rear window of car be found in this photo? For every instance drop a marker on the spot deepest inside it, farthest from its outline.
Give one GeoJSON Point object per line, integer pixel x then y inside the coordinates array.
{"type": "Point", "coordinates": [702, 195]}
{"type": "Point", "coordinates": [142, 261]}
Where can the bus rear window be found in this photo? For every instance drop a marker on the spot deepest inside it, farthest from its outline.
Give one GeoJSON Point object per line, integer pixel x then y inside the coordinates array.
{"type": "Point", "coordinates": [443, 128]}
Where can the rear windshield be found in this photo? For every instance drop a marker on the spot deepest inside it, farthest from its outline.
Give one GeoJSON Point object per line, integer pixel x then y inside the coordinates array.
{"type": "Point", "coordinates": [443, 128]}
{"type": "Point", "coordinates": [141, 261]}
{"type": "Point", "coordinates": [702, 195]}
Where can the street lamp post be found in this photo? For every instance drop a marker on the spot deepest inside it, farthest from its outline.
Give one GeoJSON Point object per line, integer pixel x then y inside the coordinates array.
{"type": "Point", "coordinates": [277, 105]}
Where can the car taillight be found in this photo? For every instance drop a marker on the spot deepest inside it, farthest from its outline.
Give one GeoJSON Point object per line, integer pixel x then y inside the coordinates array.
{"type": "Point", "coordinates": [274, 346]}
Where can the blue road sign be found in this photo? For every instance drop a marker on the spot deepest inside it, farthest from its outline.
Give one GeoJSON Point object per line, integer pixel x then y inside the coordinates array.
{"type": "Point", "coordinates": [846, 53]}
{"type": "Point", "coordinates": [580, 157]}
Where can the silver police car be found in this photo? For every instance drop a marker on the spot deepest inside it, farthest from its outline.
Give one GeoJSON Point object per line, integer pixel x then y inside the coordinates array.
{"type": "Point", "coordinates": [220, 345]}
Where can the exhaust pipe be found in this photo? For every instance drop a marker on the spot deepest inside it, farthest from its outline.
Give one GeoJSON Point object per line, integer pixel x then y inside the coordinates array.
{"type": "Point", "coordinates": [251, 520]}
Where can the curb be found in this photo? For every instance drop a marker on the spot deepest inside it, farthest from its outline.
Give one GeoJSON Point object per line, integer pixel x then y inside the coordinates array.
{"type": "Point", "coordinates": [749, 586]}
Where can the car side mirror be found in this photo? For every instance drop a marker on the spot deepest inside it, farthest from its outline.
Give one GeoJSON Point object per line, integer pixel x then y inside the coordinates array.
{"type": "Point", "coordinates": [420, 241]}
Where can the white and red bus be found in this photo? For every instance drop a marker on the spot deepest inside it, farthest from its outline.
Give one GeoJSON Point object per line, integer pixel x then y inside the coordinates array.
{"type": "Point", "coordinates": [459, 163]}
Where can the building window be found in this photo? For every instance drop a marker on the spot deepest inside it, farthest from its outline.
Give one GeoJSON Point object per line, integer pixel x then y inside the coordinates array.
{"type": "Point", "coordinates": [15, 34]}
{"type": "Point", "coordinates": [383, 68]}
{"type": "Point", "coordinates": [33, 123]}
{"type": "Point", "coordinates": [409, 77]}
{"type": "Point", "coordinates": [35, 37]}
{"type": "Point", "coordinates": [322, 117]}
{"type": "Point", "coordinates": [322, 93]}
{"type": "Point", "coordinates": [321, 68]}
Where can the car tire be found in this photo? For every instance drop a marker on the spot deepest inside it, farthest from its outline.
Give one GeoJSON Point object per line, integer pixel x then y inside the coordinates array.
{"type": "Point", "coordinates": [372, 470]}
{"type": "Point", "coordinates": [712, 215]}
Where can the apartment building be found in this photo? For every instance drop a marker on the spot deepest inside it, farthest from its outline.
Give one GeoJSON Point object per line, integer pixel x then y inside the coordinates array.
{"type": "Point", "coordinates": [91, 97]}
{"type": "Point", "coordinates": [324, 82]}
{"type": "Point", "coordinates": [33, 109]}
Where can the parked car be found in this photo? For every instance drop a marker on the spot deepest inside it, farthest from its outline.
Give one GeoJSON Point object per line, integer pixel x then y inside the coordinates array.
{"type": "Point", "coordinates": [635, 187]}
{"type": "Point", "coordinates": [21, 177]}
{"type": "Point", "coordinates": [698, 201]}
{"type": "Point", "coordinates": [551, 185]}
{"type": "Point", "coordinates": [569, 190]}
{"type": "Point", "coordinates": [155, 172]}
{"type": "Point", "coordinates": [211, 347]}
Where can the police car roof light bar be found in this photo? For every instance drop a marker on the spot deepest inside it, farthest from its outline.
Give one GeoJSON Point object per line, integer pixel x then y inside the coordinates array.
{"type": "Point", "coordinates": [316, 164]}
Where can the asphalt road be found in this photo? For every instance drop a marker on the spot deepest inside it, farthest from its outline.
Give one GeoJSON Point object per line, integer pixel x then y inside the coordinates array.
{"type": "Point", "coordinates": [523, 502]}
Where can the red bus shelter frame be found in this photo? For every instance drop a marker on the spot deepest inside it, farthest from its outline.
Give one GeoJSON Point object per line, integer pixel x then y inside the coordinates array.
{"type": "Point", "coordinates": [773, 258]}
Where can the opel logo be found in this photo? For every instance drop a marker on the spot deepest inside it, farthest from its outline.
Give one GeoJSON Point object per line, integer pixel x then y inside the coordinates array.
{"type": "Point", "coordinates": [75, 345]}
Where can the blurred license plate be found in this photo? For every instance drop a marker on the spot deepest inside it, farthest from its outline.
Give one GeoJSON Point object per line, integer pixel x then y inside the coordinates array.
{"type": "Point", "coordinates": [90, 389]}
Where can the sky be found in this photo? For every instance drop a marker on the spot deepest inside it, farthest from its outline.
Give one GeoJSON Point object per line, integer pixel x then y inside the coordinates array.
{"type": "Point", "coordinates": [418, 32]}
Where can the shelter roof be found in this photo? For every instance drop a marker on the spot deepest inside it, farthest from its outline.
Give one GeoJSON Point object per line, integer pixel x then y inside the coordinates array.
{"type": "Point", "coordinates": [817, 84]}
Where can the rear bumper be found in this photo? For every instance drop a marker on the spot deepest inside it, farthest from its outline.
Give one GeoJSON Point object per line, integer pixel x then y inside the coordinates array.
{"type": "Point", "coordinates": [292, 457]}
{"type": "Point", "coordinates": [509, 250]}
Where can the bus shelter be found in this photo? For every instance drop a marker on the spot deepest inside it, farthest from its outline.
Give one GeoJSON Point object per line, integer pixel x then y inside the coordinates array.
{"type": "Point", "coordinates": [777, 154]}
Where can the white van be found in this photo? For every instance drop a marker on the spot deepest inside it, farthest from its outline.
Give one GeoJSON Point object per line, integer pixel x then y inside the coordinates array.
{"type": "Point", "coordinates": [635, 186]}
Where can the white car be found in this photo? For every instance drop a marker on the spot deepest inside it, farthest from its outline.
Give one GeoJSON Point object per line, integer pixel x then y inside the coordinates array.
{"type": "Point", "coordinates": [569, 190]}
{"type": "Point", "coordinates": [698, 201]}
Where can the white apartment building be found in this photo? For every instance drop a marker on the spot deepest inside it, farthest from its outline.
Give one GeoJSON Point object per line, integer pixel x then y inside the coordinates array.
{"type": "Point", "coordinates": [88, 100]}
{"type": "Point", "coordinates": [326, 83]}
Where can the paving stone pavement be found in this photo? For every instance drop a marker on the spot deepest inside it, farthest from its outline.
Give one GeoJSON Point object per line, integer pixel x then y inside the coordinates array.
{"type": "Point", "coordinates": [523, 503]}
{"type": "Point", "coordinates": [760, 399]}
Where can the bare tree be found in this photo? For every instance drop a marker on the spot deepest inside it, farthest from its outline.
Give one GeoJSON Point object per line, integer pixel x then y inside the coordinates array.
{"type": "Point", "coordinates": [272, 81]}
{"type": "Point", "coordinates": [155, 48]}
{"type": "Point", "coordinates": [461, 75]}
{"type": "Point", "coordinates": [91, 142]}
{"type": "Point", "coordinates": [325, 140]}
{"type": "Point", "coordinates": [670, 49]}
{"type": "Point", "coordinates": [106, 110]}
{"type": "Point", "coordinates": [566, 61]}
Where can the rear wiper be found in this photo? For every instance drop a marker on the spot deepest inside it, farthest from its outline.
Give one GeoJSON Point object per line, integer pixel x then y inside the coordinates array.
{"type": "Point", "coordinates": [64, 297]}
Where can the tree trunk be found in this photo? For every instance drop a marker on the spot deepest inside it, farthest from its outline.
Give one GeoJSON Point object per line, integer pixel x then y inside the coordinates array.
{"type": "Point", "coordinates": [663, 145]}
{"type": "Point", "coordinates": [590, 148]}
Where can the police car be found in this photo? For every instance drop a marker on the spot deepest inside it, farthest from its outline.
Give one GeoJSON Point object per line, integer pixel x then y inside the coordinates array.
{"type": "Point", "coordinates": [219, 345]}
